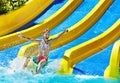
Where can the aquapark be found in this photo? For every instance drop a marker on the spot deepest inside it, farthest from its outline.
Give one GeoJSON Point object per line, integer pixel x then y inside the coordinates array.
{"type": "Point", "coordinates": [91, 47]}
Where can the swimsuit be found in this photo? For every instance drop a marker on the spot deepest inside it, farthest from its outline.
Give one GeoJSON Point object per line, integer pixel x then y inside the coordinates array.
{"type": "Point", "coordinates": [44, 46]}
{"type": "Point", "coordinates": [37, 59]}
{"type": "Point", "coordinates": [40, 57]}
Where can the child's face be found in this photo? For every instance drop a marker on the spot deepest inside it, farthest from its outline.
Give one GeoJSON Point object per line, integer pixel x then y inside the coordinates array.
{"type": "Point", "coordinates": [46, 34]}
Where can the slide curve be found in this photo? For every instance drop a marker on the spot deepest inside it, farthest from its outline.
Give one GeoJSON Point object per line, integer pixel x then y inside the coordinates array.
{"type": "Point", "coordinates": [21, 16]}
{"type": "Point", "coordinates": [36, 30]}
{"type": "Point", "coordinates": [82, 51]}
{"type": "Point", "coordinates": [112, 71]}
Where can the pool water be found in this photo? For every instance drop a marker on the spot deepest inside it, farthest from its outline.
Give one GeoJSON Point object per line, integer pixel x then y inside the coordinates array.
{"type": "Point", "coordinates": [47, 75]}
{"type": "Point", "coordinates": [92, 68]}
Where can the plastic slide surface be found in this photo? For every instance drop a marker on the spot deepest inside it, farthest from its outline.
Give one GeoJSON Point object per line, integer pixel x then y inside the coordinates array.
{"type": "Point", "coordinates": [83, 25]}
{"type": "Point", "coordinates": [36, 30]}
{"type": "Point", "coordinates": [80, 52]}
{"type": "Point", "coordinates": [112, 71]}
{"type": "Point", "coordinates": [21, 16]}
{"type": "Point", "coordinates": [74, 31]}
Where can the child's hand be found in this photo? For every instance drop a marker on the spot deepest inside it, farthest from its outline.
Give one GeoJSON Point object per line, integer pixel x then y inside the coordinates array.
{"type": "Point", "coordinates": [65, 30]}
{"type": "Point", "coordinates": [20, 35]}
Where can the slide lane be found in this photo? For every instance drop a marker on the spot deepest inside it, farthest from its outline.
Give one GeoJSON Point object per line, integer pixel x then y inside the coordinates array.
{"type": "Point", "coordinates": [112, 71]}
{"type": "Point", "coordinates": [74, 31]}
{"type": "Point", "coordinates": [36, 30]}
{"type": "Point", "coordinates": [83, 25]}
{"type": "Point", "coordinates": [17, 18]}
{"type": "Point", "coordinates": [82, 51]}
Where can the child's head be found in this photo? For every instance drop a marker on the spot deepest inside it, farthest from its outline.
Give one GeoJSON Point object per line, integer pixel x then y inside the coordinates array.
{"type": "Point", "coordinates": [46, 33]}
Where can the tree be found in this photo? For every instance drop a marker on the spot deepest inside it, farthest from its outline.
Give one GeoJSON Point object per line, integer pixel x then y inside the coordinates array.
{"type": "Point", "coordinates": [3, 6]}
{"type": "Point", "coordinates": [7, 5]}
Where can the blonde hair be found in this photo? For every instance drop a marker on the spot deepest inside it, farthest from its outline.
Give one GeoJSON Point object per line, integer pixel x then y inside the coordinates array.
{"type": "Point", "coordinates": [46, 30]}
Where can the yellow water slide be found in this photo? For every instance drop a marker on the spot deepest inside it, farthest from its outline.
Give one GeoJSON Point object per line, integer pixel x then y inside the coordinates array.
{"type": "Point", "coordinates": [80, 52]}
{"type": "Point", "coordinates": [35, 31]}
{"type": "Point", "coordinates": [19, 17]}
{"type": "Point", "coordinates": [74, 31]}
{"type": "Point", "coordinates": [83, 25]}
{"type": "Point", "coordinates": [112, 71]}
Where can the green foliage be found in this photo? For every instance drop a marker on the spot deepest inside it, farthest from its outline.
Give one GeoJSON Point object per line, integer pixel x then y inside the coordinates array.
{"type": "Point", "coordinates": [3, 7]}
{"type": "Point", "coordinates": [8, 5]}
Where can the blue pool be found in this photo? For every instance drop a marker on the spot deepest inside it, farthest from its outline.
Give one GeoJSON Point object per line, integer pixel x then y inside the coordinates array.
{"type": "Point", "coordinates": [92, 68]}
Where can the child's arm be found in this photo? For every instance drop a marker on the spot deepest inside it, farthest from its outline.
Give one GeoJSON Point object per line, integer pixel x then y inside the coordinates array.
{"type": "Point", "coordinates": [66, 30]}
{"type": "Point", "coordinates": [27, 38]}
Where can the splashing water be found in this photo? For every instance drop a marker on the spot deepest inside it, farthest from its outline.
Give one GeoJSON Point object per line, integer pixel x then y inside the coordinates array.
{"type": "Point", "coordinates": [17, 66]}
{"type": "Point", "coordinates": [47, 75]}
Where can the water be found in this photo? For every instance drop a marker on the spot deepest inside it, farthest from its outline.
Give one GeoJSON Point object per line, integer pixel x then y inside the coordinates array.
{"type": "Point", "coordinates": [92, 68]}
{"type": "Point", "coordinates": [48, 75]}
{"type": "Point", "coordinates": [27, 77]}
